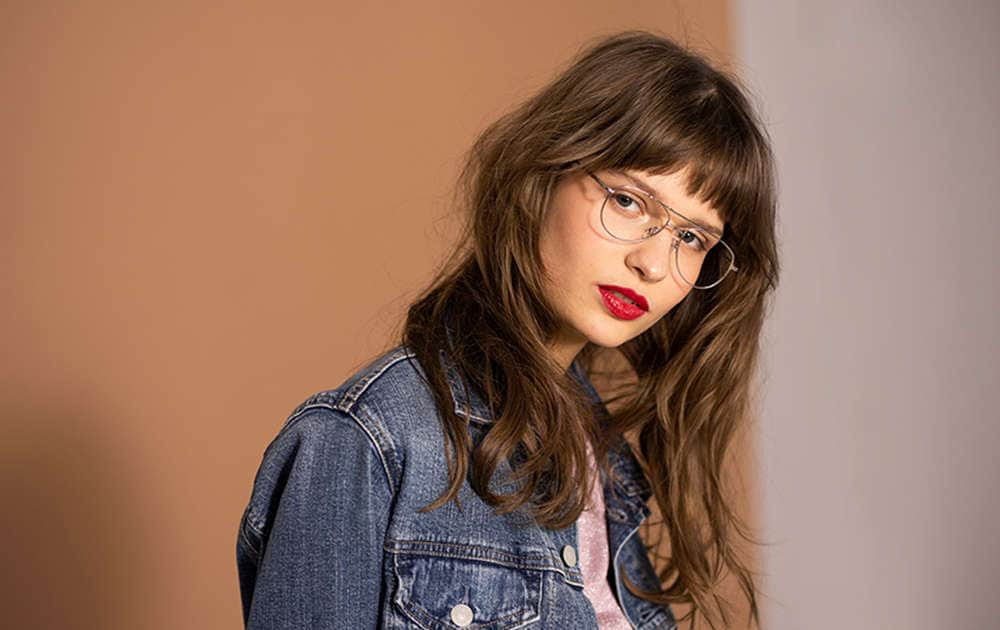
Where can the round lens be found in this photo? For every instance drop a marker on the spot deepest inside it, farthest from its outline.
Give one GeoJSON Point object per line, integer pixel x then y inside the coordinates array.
{"type": "Point", "coordinates": [703, 270]}
{"type": "Point", "coordinates": [629, 216]}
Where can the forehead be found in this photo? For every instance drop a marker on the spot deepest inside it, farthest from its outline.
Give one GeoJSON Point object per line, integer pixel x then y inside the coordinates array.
{"type": "Point", "coordinates": [672, 190]}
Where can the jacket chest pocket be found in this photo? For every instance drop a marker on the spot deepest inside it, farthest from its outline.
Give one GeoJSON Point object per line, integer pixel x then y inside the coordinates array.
{"type": "Point", "coordinates": [442, 592]}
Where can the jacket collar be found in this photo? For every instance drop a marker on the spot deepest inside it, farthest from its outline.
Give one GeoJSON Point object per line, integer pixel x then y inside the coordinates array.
{"type": "Point", "coordinates": [468, 402]}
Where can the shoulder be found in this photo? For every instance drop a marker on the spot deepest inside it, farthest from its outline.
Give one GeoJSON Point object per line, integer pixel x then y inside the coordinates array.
{"type": "Point", "coordinates": [388, 400]}
{"type": "Point", "coordinates": [369, 422]}
{"type": "Point", "coordinates": [392, 377]}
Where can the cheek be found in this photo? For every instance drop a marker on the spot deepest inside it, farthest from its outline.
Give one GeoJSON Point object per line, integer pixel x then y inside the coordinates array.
{"type": "Point", "coordinates": [571, 255]}
{"type": "Point", "coordinates": [557, 245]}
{"type": "Point", "coordinates": [570, 238]}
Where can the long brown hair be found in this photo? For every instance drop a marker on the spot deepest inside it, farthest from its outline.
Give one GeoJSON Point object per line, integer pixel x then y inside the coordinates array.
{"type": "Point", "coordinates": [632, 101]}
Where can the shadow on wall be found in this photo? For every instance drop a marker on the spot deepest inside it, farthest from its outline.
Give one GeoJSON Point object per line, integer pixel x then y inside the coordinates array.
{"type": "Point", "coordinates": [76, 538]}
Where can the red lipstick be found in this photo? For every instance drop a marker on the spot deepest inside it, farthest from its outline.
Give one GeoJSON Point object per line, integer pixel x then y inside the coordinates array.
{"type": "Point", "coordinates": [622, 302]}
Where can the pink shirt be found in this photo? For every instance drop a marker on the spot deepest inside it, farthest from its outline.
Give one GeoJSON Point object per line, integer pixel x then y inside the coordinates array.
{"type": "Point", "coordinates": [592, 536]}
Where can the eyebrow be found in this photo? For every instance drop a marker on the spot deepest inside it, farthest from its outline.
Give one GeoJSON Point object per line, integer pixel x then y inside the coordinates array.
{"type": "Point", "coordinates": [645, 187]}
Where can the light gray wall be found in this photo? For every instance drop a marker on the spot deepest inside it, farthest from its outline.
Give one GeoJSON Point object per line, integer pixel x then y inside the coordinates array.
{"type": "Point", "coordinates": [880, 420]}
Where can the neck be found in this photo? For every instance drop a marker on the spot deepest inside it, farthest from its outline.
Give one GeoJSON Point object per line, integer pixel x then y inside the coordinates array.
{"type": "Point", "coordinates": [565, 350]}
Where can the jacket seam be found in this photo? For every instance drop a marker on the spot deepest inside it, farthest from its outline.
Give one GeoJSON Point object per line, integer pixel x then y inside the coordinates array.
{"type": "Point", "coordinates": [247, 530]}
{"type": "Point", "coordinates": [543, 561]}
{"type": "Point", "coordinates": [351, 396]}
{"type": "Point", "coordinates": [349, 412]}
{"type": "Point", "coordinates": [250, 545]}
{"type": "Point", "coordinates": [378, 435]}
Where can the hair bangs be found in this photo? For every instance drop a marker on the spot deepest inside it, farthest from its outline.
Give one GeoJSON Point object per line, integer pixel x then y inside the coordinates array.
{"type": "Point", "coordinates": [702, 126]}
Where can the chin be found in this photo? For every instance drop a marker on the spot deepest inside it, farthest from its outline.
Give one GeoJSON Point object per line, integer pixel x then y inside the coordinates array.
{"type": "Point", "coordinates": [605, 337]}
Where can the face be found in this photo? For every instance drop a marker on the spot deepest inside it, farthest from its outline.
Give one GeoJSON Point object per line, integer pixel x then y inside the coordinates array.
{"type": "Point", "coordinates": [582, 261]}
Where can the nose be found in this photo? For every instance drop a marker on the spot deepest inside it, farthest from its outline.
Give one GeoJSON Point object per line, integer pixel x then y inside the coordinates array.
{"type": "Point", "coordinates": [651, 258]}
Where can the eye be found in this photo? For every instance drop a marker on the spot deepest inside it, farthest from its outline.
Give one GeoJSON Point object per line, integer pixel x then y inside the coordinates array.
{"type": "Point", "coordinates": [692, 239]}
{"type": "Point", "coordinates": [627, 204]}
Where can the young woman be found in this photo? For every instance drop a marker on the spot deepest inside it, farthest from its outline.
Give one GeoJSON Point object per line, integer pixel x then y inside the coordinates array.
{"type": "Point", "coordinates": [471, 477]}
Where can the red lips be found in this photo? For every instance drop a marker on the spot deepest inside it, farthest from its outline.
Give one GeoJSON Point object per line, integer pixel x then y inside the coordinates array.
{"type": "Point", "coordinates": [623, 303]}
{"type": "Point", "coordinates": [629, 293]}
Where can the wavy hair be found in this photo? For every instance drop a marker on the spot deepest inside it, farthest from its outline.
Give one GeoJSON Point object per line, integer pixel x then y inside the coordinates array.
{"type": "Point", "coordinates": [632, 101]}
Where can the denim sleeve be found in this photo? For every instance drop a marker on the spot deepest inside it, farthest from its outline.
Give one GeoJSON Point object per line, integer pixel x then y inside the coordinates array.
{"type": "Point", "coordinates": [309, 548]}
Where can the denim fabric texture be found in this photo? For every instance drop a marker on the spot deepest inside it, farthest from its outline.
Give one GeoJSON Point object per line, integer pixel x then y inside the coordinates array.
{"type": "Point", "coordinates": [332, 537]}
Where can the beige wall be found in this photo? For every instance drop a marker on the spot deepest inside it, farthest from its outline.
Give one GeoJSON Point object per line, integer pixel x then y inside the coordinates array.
{"type": "Point", "coordinates": [209, 212]}
{"type": "Point", "coordinates": [880, 425]}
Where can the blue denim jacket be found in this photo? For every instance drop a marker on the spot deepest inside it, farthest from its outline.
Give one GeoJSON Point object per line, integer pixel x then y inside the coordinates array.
{"type": "Point", "coordinates": [331, 537]}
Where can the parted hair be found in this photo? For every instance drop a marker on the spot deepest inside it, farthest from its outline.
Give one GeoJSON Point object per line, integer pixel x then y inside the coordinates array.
{"type": "Point", "coordinates": [638, 101]}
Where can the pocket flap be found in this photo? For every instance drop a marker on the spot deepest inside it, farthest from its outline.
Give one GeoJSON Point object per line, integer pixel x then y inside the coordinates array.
{"type": "Point", "coordinates": [438, 592]}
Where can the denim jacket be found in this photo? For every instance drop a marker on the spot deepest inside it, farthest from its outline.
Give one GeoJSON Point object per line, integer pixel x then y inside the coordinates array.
{"type": "Point", "coordinates": [331, 536]}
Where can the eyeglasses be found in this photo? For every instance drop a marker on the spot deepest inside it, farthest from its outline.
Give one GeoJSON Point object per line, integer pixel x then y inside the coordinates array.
{"type": "Point", "coordinates": [632, 215]}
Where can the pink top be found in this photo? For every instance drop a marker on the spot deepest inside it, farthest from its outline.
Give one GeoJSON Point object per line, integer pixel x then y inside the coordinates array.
{"type": "Point", "coordinates": [592, 533]}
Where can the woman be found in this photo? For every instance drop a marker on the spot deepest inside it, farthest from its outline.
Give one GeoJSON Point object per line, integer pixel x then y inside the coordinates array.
{"type": "Point", "coordinates": [472, 477]}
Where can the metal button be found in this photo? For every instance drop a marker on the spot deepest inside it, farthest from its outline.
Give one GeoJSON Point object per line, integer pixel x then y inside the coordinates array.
{"type": "Point", "coordinates": [569, 555]}
{"type": "Point", "coordinates": [461, 615]}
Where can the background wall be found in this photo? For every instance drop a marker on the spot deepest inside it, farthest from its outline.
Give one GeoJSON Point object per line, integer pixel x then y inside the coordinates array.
{"type": "Point", "coordinates": [880, 425]}
{"type": "Point", "coordinates": [209, 211]}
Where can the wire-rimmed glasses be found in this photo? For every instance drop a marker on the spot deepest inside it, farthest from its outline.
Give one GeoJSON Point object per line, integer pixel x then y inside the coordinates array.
{"type": "Point", "coordinates": [632, 215]}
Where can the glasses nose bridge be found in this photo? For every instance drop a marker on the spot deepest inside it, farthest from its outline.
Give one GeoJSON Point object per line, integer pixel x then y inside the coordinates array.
{"type": "Point", "coordinates": [669, 227]}
{"type": "Point", "coordinates": [668, 222]}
